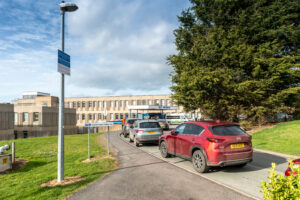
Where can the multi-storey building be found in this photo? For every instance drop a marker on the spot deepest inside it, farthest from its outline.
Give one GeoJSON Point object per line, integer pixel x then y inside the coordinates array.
{"type": "Point", "coordinates": [91, 109]}
{"type": "Point", "coordinates": [6, 121]}
{"type": "Point", "coordinates": [36, 114]}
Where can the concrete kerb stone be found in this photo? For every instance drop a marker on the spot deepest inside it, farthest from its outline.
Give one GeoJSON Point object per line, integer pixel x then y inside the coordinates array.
{"type": "Point", "coordinates": [193, 172]}
{"type": "Point", "coordinates": [276, 153]}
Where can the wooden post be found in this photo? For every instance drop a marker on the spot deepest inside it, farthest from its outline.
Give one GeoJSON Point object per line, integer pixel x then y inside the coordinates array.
{"type": "Point", "coordinates": [13, 152]}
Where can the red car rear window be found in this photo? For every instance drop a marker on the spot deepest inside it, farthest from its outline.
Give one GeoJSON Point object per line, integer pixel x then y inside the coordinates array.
{"type": "Point", "coordinates": [228, 130]}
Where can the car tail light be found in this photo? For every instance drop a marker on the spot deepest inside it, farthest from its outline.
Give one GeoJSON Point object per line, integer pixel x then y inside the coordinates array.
{"type": "Point", "coordinates": [139, 131]}
{"type": "Point", "coordinates": [215, 140]}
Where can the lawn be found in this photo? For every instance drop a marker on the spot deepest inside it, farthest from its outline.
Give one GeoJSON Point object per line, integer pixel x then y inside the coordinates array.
{"type": "Point", "coordinates": [42, 167]}
{"type": "Point", "coordinates": [283, 138]}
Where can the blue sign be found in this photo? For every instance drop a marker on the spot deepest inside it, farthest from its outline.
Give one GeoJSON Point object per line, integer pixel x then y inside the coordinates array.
{"type": "Point", "coordinates": [64, 63]}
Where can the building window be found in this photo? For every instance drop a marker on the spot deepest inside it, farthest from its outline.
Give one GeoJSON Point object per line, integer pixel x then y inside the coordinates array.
{"type": "Point", "coordinates": [69, 104]}
{"type": "Point", "coordinates": [83, 116]}
{"type": "Point", "coordinates": [138, 102]}
{"type": "Point", "coordinates": [156, 102]}
{"type": "Point", "coordinates": [25, 117]}
{"type": "Point", "coordinates": [116, 116]}
{"type": "Point", "coordinates": [95, 116]}
{"type": "Point", "coordinates": [100, 104]}
{"type": "Point", "coordinates": [78, 104]}
{"type": "Point", "coordinates": [83, 104]}
{"type": "Point", "coordinates": [121, 103]}
{"type": "Point", "coordinates": [126, 115]}
{"type": "Point", "coordinates": [111, 116]}
{"type": "Point", "coordinates": [35, 116]}
{"type": "Point", "coordinates": [133, 102]}
{"type": "Point", "coordinates": [126, 103]}
{"type": "Point", "coordinates": [104, 104]}
{"type": "Point", "coordinates": [150, 102]}
{"type": "Point", "coordinates": [90, 117]}
{"type": "Point", "coordinates": [104, 117]}
{"type": "Point", "coordinates": [25, 134]}
{"type": "Point", "coordinates": [90, 104]}
{"type": "Point", "coordinates": [117, 104]}
{"type": "Point", "coordinates": [99, 116]}
{"type": "Point", "coordinates": [133, 115]}
{"type": "Point", "coordinates": [95, 104]}
{"type": "Point", "coordinates": [162, 102]}
{"type": "Point", "coordinates": [168, 102]}
{"type": "Point", "coordinates": [78, 117]}
{"type": "Point", "coordinates": [111, 103]}
{"type": "Point", "coordinates": [74, 104]}
{"type": "Point", "coordinates": [16, 117]}
{"type": "Point", "coordinates": [121, 116]}
{"type": "Point", "coordinates": [144, 102]}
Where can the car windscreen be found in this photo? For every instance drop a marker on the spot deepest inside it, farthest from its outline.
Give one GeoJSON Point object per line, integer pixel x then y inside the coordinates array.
{"type": "Point", "coordinates": [149, 125]}
{"type": "Point", "coordinates": [228, 130]}
{"type": "Point", "coordinates": [173, 117]}
{"type": "Point", "coordinates": [131, 121]}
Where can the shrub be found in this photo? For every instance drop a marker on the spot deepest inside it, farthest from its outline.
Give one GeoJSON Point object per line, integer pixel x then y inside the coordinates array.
{"type": "Point", "coordinates": [282, 187]}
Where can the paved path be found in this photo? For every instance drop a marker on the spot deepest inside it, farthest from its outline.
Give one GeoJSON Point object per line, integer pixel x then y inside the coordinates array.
{"type": "Point", "coordinates": [142, 176]}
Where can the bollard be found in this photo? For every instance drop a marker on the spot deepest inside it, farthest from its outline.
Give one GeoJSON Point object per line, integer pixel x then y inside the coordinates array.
{"type": "Point", "coordinates": [13, 152]}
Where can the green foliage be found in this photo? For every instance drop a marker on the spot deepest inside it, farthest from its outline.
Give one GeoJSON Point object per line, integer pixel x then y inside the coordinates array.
{"type": "Point", "coordinates": [42, 167]}
{"type": "Point", "coordinates": [282, 187]}
{"type": "Point", "coordinates": [282, 138]}
{"type": "Point", "coordinates": [237, 57]}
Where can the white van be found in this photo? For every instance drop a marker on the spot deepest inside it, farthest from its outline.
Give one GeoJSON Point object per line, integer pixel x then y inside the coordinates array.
{"type": "Point", "coordinates": [176, 118]}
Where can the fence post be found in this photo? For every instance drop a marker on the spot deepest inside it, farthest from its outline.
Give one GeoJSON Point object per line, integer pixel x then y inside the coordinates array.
{"type": "Point", "coordinates": [13, 152]}
{"type": "Point", "coordinates": [89, 148]}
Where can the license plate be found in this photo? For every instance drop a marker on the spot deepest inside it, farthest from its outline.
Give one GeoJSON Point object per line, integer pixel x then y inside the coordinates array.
{"type": "Point", "coordinates": [151, 132]}
{"type": "Point", "coordinates": [237, 146]}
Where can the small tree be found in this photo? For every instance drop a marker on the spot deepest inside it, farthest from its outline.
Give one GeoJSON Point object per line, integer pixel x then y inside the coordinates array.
{"type": "Point", "coordinates": [237, 57]}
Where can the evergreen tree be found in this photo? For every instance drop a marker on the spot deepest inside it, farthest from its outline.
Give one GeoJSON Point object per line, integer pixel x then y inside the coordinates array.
{"type": "Point", "coordinates": [237, 57]}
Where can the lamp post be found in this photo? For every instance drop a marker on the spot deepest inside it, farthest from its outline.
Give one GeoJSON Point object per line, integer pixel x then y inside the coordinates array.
{"type": "Point", "coordinates": [64, 7]}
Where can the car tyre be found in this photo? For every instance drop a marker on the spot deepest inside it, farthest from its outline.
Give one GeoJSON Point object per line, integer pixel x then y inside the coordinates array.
{"type": "Point", "coordinates": [163, 147]}
{"type": "Point", "coordinates": [135, 142]}
{"type": "Point", "coordinates": [130, 140]}
{"type": "Point", "coordinates": [199, 162]}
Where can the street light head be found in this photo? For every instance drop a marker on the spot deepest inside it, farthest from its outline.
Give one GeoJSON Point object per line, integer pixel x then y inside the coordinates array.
{"type": "Point", "coordinates": [68, 6]}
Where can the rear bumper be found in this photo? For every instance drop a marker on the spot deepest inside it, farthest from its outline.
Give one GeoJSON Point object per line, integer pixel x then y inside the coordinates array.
{"type": "Point", "coordinates": [147, 138]}
{"type": "Point", "coordinates": [231, 162]}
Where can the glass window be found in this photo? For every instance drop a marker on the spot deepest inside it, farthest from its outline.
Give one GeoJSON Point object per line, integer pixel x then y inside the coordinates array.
{"type": "Point", "coordinates": [192, 129]}
{"type": "Point", "coordinates": [90, 104]}
{"type": "Point", "coordinates": [121, 116]}
{"type": "Point", "coordinates": [131, 121]}
{"type": "Point", "coordinates": [111, 116]}
{"type": "Point", "coordinates": [78, 117]}
{"type": "Point", "coordinates": [133, 102]}
{"type": "Point", "coordinates": [90, 117]}
{"type": "Point", "coordinates": [156, 102]}
{"type": "Point", "coordinates": [83, 116]}
{"type": "Point", "coordinates": [99, 116]}
{"type": "Point", "coordinates": [35, 116]}
{"type": "Point", "coordinates": [138, 102]}
{"type": "Point", "coordinates": [83, 104]}
{"type": "Point", "coordinates": [227, 130]}
{"type": "Point", "coordinates": [144, 102]}
{"type": "Point", "coordinates": [149, 125]}
{"type": "Point", "coordinates": [25, 117]}
{"type": "Point", "coordinates": [168, 102]}
{"type": "Point", "coordinates": [150, 102]}
{"type": "Point", "coordinates": [180, 129]}
{"type": "Point", "coordinates": [95, 104]}
{"type": "Point", "coordinates": [133, 115]}
{"type": "Point", "coordinates": [116, 116]}
{"type": "Point", "coordinates": [111, 103]}
{"type": "Point", "coordinates": [126, 115]}
{"type": "Point", "coordinates": [104, 104]}
{"type": "Point", "coordinates": [74, 104]}
{"type": "Point", "coordinates": [117, 103]}
{"type": "Point", "coordinates": [95, 116]}
{"type": "Point", "coordinates": [104, 117]}
{"type": "Point", "coordinates": [162, 102]}
{"type": "Point", "coordinates": [16, 117]}
{"type": "Point", "coordinates": [78, 104]}
{"type": "Point", "coordinates": [126, 102]}
{"type": "Point", "coordinates": [100, 104]}
{"type": "Point", "coordinates": [121, 103]}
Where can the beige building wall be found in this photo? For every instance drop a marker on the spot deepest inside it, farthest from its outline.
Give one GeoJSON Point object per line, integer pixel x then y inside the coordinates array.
{"type": "Point", "coordinates": [91, 109]}
{"type": "Point", "coordinates": [6, 121]}
{"type": "Point", "coordinates": [39, 117]}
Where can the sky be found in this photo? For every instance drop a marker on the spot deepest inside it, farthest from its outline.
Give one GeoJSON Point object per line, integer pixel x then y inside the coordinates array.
{"type": "Point", "coordinates": [117, 47]}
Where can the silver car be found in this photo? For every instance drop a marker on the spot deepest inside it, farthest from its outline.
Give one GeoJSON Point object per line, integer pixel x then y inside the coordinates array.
{"type": "Point", "coordinates": [145, 131]}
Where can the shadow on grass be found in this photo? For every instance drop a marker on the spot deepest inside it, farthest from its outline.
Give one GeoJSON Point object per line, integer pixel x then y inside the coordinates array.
{"type": "Point", "coordinates": [30, 166]}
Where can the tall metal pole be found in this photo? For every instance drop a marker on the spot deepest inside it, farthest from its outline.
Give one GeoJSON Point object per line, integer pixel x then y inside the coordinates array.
{"type": "Point", "coordinates": [107, 140]}
{"type": "Point", "coordinates": [60, 159]}
{"type": "Point", "coordinates": [89, 143]}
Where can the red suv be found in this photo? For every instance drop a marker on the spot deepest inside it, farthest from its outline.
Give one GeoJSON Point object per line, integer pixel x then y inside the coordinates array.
{"type": "Point", "coordinates": [208, 143]}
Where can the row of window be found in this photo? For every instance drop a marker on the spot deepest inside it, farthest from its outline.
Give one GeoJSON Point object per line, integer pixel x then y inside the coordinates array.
{"type": "Point", "coordinates": [117, 103]}
{"type": "Point", "coordinates": [25, 117]}
{"type": "Point", "coordinates": [100, 116]}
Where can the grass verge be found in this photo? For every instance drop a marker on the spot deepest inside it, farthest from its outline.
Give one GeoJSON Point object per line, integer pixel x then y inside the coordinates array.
{"type": "Point", "coordinates": [42, 167]}
{"type": "Point", "coordinates": [282, 138]}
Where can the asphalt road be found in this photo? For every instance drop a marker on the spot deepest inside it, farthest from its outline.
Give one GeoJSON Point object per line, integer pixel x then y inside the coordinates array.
{"type": "Point", "coordinates": [143, 176]}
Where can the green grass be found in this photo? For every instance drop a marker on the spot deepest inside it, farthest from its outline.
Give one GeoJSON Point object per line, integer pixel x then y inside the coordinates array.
{"type": "Point", "coordinates": [42, 167]}
{"type": "Point", "coordinates": [282, 138]}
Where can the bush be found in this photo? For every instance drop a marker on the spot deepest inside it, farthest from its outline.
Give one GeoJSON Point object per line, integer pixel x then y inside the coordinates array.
{"type": "Point", "coordinates": [280, 186]}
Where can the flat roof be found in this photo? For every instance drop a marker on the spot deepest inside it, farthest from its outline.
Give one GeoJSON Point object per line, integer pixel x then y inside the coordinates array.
{"type": "Point", "coordinates": [35, 93]}
{"type": "Point", "coordinates": [149, 107]}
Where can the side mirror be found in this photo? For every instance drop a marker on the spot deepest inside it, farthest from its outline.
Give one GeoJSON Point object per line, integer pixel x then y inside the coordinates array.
{"type": "Point", "coordinates": [173, 132]}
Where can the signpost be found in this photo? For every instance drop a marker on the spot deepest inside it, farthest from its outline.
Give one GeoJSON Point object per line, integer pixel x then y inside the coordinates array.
{"type": "Point", "coordinates": [98, 124]}
{"type": "Point", "coordinates": [63, 64]}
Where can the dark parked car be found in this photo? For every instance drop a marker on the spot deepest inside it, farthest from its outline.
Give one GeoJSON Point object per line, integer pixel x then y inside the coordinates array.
{"type": "Point", "coordinates": [127, 125]}
{"type": "Point", "coordinates": [296, 163]}
{"type": "Point", "coordinates": [208, 143]}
